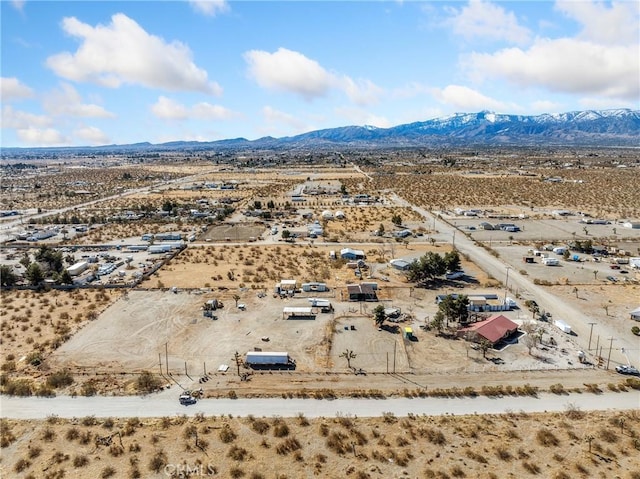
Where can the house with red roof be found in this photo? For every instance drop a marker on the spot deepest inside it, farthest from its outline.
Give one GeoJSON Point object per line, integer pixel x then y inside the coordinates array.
{"type": "Point", "coordinates": [492, 329]}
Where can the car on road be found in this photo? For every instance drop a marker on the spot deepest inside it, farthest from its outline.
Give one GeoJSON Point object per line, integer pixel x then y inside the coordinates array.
{"type": "Point", "coordinates": [187, 399]}
{"type": "Point", "coordinates": [627, 369]}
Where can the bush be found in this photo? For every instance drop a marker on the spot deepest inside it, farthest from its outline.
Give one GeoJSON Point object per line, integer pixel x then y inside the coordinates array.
{"type": "Point", "coordinates": [546, 438]}
{"type": "Point", "coordinates": [635, 330]}
{"type": "Point", "coordinates": [227, 435]}
{"type": "Point", "coordinates": [60, 379]}
{"type": "Point", "coordinates": [158, 461]}
{"type": "Point", "coordinates": [147, 382]}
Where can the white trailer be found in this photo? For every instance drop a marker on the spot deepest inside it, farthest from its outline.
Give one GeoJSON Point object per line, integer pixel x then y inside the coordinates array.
{"type": "Point", "coordinates": [550, 261]}
{"type": "Point", "coordinates": [77, 268]}
{"type": "Point", "coordinates": [266, 358]}
{"type": "Point", "coordinates": [562, 326]}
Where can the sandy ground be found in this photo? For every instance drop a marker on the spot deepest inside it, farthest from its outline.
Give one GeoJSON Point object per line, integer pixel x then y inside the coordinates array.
{"type": "Point", "coordinates": [522, 445]}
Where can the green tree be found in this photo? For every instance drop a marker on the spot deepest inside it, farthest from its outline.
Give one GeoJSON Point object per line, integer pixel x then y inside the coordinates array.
{"type": "Point", "coordinates": [286, 234]}
{"type": "Point", "coordinates": [381, 230]}
{"type": "Point", "coordinates": [7, 277]}
{"type": "Point", "coordinates": [454, 308]}
{"type": "Point", "coordinates": [396, 220]}
{"type": "Point", "coordinates": [257, 204]}
{"type": "Point", "coordinates": [427, 268]}
{"type": "Point", "coordinates": [65, 277]}
{"type": "Point", "coordinates": [379, 315]}
{"type": "Point", "coordinates": [34, 274]}
{"type": "Point", "coordinates": [270, 204]}
{"type": "Point", "coordinates": [452, 261]}
{"type": "Point", "coordinates": [438, 322]}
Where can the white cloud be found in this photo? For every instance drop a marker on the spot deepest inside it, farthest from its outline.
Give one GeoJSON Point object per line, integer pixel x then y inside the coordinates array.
{"type": "Point", "coordinates": [467, 99]}
{"type": "Point", "coordinates": [485, 20]}
{"type": "Point", "coordinates": [411, 90]}
{"type": "Point", "coordinates": [12, 89]}
{"type": "Point", "coordinates": [565, 65]}
{"type": "Point", "coordinates": [210, 7]}
{"type": "Point", "coordinates": [617, 24]}
{"type": "Point", "coordinates": [41, 137]}
{"type": "Point", "coordinates": [546, 106]}
{"type": "Point", "coordinates": [124, 53]}
{"type": "Point", "coordinates": [169, 109]}
{"type": "Point", "coordinates": [20, 119]}
{"type": "Point", "coordinates": [273, 116]}
{"type": "Point", "coordinates": [598, 103]}
{"type": "Point", "coordinates": [289, 71]}
{"type": "Point", "coordinates": [66, 101]}
{"type": "Point", "coordinates": [362, 92]}
{"type": "Point", "coordinates": [90, 135]}
{"type": "Point", "coordinates": [18, 4]}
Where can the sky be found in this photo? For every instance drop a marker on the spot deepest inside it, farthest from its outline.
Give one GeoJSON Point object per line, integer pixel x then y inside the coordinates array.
{"type": "Point", "coordinates": [88, 73]}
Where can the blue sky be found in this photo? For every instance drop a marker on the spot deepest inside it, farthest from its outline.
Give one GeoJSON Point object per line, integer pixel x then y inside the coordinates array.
{"type": "Point", "coordinates": [95, 73]}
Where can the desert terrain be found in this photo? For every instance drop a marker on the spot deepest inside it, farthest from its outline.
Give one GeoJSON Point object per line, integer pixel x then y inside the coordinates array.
{"type": "Point", "coordinates": [143, 327]}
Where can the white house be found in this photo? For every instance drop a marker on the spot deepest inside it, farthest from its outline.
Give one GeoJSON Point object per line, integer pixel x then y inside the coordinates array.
{"type": "Point", "coordinates": [631, 224]}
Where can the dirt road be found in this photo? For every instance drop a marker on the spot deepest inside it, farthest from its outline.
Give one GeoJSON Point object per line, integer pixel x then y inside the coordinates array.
{"type": "Point", "coordinates": [579, 322]}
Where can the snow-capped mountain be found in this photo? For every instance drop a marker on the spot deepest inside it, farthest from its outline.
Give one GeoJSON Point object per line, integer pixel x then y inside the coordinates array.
{"type": "Point", "coordinates": [620, 127]}
{"type": "Point", "coordinates": [606, 127]}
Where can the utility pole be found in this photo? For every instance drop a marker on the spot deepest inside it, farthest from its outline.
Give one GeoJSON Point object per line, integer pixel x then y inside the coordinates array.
{"type": "Point", "coordinates": [394, 357]}
{"type": "Point", "coordinates": [610, 347]}
{"type": "Point", "coordinates": [160, 362]}
{"type": "Point", "coordinates": [590, 333]}
{"type": "Point", "coordinates": [506, 285]}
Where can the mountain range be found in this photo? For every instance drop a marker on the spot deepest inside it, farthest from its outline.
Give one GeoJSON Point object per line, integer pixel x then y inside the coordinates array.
{"type": "Point", "coordinates": [619, 127]}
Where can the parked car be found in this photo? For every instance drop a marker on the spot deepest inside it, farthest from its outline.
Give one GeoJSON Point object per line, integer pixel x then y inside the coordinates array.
{"type": "Point", "coordinates": [627, 369]}
{"type": "Point", "coordinates": [614, 266]}
{"type": "Point", "coordinates": [187, 399]}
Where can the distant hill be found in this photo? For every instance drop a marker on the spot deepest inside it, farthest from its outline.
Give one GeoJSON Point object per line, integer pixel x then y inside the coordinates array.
{"type": "Point", "coordinates": [619, 127]}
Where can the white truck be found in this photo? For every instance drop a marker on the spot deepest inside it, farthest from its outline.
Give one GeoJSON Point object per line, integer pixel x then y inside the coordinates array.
{"type": "Point", "coordinates": [562, 326]}
{"type": "Point", "coordinates": [267, 358]}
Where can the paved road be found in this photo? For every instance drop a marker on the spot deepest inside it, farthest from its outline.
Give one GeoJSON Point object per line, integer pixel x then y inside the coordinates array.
{"type": "Point", "coordinates": [167, 405]}
{"type": "Point", "coordinates": [546, 300]}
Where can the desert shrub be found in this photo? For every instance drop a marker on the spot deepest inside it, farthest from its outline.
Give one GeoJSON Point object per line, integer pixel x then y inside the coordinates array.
{"type": "Point", "coordinates": [471, 454]}
{"type": "Point", "coordinates": [158, 461]}
{"type": "Point", "coordinates": [236, 473]}
{"type": "Point", "coordinates": [531, 467]}
{"type": "Point", "coordinates": [237, 453]}
{"type": "Point", "coordinates": [288, 445]}
{"type": "Point", "coordinates": [227, 434]}
{"type": "Point", "coordinates": [336, 441]}
{"type": "Point", "coordinates": [21, 465]}
{"type": "Point", "coordinates": [557, 389]}
{"type": "Point", "coordinates": [546, 438]}
{"type": "Point", "coordinates": [89, 421]}
{"type": "Point", "coordinates": [72, 434]}
{"type": "Point", "coordinates": [608, 435]}
{"type": "Point", "coordinates": [80, 461]}
{"type": "Point", "coordinates": [280, 429]}
{"type": "Point", "coordinates": [259, 425]}
{"type": "Point", "coordinates": [48, 434]}
{"type": "Point", "coordinates": [148, 382]}
{"type": "Point", "coordinates": [503, 454]}
{"type": "Point", "coordinates": [434, 436]}
{"type": "Point", "coordinates": [60, 379]}
{"type": "Point", "coordinates": [457, 471]}
{"type": "Point", "coordinates": [107, 472]}
{"type": "Point", "coordinates": [34, 452]}
{"type": "Point", "coordinates": [6, 434]}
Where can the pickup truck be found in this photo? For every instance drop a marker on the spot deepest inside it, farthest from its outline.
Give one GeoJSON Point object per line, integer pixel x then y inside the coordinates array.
{"type": "Point", "coordinates": [187, 399]}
